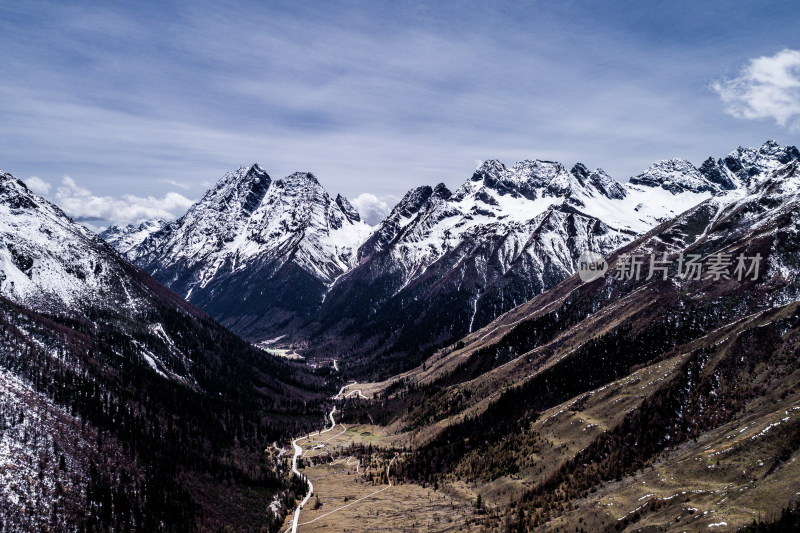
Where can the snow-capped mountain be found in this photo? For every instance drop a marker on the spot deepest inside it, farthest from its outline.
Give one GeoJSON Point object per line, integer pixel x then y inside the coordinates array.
{"type": "Point", "coordinates": [442, 265]}
{"type": "Point", "coordinates": [255, 252]}
{"type": "Point", "coordinates": [110, 383]}
{"type": "Point", "coordinates": [743, 164]}
{"type": "Point", "coordinates": [661, 386]}
{"type": "Point", "coordinates": [49, 262]}
{"type": "Point", "coordinates": [126, 238]}
{"type": "Point", "coordinates": [282, 257]}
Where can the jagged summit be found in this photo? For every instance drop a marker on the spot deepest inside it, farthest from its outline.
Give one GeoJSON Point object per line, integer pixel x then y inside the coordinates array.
{"type": "Point", "coordinates": [16, 195]}
{"type": "Point", "coordinates": [536, 178]}
{"type": "Point", "coordinates": [284, 247]}
{"type": "Point", "coordinates": [442, 191]}
{"type": "Point", "coordinates": [411, 202]}
{"type": "Point", "coordinates": [244, 187]}
{"type": "Point", "coordinates": [676, 176]}
{"type": "Point", "coordinates": [253, 244]}
{"type": "Point", "coordinates": [715, 172]}
{"type": "Point", "coordinates": [303, 179]}
{"type": "Point", "coordinates": [748, 162]}
{"type": "Point", "coordinates": [450, 264]}
{"type": "Point", "coordinates": [600, 180]}
{"type": "Point", "coordinates": [347, 208]}
{"type": "Point", "coordinates": [400, 216]}
{"type": "Point", "coordinates": [528, 179]}
{"type": "Point", "coordinates": [125, 238]}
{"type": "Point", "coordinates": [734, 171]}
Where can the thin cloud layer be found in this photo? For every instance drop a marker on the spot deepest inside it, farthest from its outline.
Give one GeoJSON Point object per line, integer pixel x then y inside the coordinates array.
{"type": "Point", "coordinates": [374, 96]}
{"type": "Point", "coordinates": [79, 203]}
{"type": "Point", "coordinates": [767, 88]}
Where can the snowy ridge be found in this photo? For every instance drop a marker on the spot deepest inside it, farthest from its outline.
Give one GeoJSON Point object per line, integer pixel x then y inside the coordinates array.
{"type": "Point", "coordinates": [48, 263]}
{"type": "Point", "coordinates": [452, 262]}
{"type": "Point", "coordinates": [424, 226]}
{"type": "Point", "coordinates": [247, 218]}
{"type": "Point", "coordinates": [258, 254]}
{"type": "Point", "coordinates": [253, 245]}
{"type": "Point", "coordinates": [674, 175]}
{"type": "Point", "coordinates": [126, 238]}
{"type": "Point", "coordinates": [46, 260]}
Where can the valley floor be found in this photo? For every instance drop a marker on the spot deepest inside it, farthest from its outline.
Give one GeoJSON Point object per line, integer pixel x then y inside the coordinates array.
{"type": "Point", "coordinates": [729, 476]}
{"type": "Point", "coordinates": [354, 495]}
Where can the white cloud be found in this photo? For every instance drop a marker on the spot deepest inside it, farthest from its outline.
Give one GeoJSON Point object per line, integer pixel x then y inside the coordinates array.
{"type": "Point", "coordinates": [38, 185]}
{"type": "Point", "coordinates": [79, 203]}
{"type": "Point", "coordinates": [373, 209]}
{"type": "Point", "coordinates": [768, 87]}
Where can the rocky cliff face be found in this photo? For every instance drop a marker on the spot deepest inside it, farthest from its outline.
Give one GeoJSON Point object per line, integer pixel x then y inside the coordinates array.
{"type": "Point", "coordinates": [283, 258]}
{"type": "Point", "coordinates": [443, 264]}
{"type": "Point", "coordinates": [256, 253]}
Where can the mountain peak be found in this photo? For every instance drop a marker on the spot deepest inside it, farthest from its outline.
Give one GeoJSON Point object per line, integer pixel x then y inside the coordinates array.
{"type": "Point", "coordinates": [248, 173]}
{"type": "Point", "coordinates": [745, 163]}
{"type": "Point", "coordinates": [301, 178]}
{"type": "Point", "coordinates": [715, 172]}
{"type": "Point", "coordinates": [442, 191]}
{"type": "Point", "coordinates": [538, 172]}
{"type": "Point", "coordinates": [520, 180]}
{"type": "Point", "coordinates": [125, 238]}
{"type": "Point", "coordinates": [580, 171]}
{"type": "Point", "coordinates": [5, 176]}
{"type": "Point", "coordinates": [347, 208]}
{"type": "Point", "coordinates": [411, 202]}
{"type": "Point", "coordinates": [606, 185]}
{"type": "Point", "coordinates": [675, 175]}
{"type": "Point", "coordinates": [264, 248]}
{"type": "Point", "coordinates": [490, 167]}
{"type": "Point", "coordinates": [245, 187]}
{"type": "Point", "coordinates": [14, 193]}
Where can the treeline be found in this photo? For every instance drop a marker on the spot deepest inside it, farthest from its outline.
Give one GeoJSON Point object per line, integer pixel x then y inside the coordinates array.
{"type": "Point", "coordinates": [719, 380]}
{"type": "Point", "coordinates": [789, 522]}
{"type": "Point", "coordinates": [191, 447]}
{"type": "Point", "coordinates": [595, 363]}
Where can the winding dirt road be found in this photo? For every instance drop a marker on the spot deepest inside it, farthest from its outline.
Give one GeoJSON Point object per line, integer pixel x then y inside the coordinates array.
{"type": "Point", "coordinates": [298, 451]}
{"type": "Point", "coordinates": [360, 499]}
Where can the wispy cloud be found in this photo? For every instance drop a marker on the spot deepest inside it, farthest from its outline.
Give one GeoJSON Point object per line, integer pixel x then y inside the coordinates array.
{"type": "Point", "coordinates": [372, 208]}
{"type": "Point", "coordinates": [371, 96]}
{"type": "Point", "coordinates": [767, 88]}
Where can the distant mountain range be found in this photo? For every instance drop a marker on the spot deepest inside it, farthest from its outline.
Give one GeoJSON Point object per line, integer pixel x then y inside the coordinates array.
{"type": "Point", "coordinates": [283, 258]}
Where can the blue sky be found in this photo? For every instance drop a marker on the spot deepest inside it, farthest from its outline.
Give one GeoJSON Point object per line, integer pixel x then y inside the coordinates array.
{"type": "Point", "coordinates": [143, 105]}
